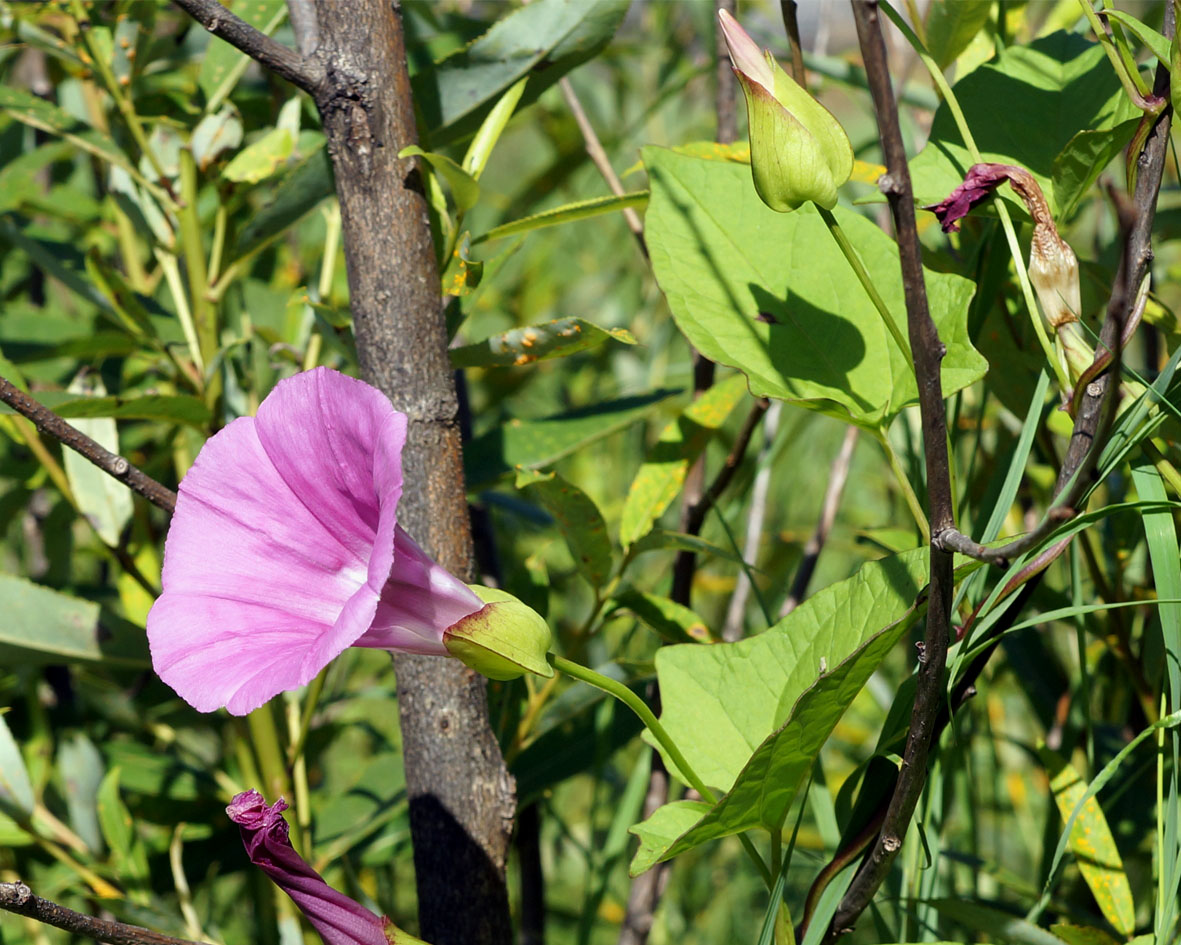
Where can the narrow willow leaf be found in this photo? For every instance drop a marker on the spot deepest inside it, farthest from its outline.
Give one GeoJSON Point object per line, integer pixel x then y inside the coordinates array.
{"type": "Point", "coordinates": [40, 113]}
{"type": "Point", "coordinates": [536, 443]}
{"type": "Point", "coordinates": [169, 408]}
{"type": "Point", "coordinates": [541, 42]}
{"type": "Point", "coordinates": [300, 192]}
{"type": "Point", "coordinates": [223, 65]}
{"type": "Point", "coordinates": [16, 789]}
{"type": "Point", "coordinates": [80, 768]}
{"type": "Point", "coordinates": [215, 134]}
{"type": "Point", "coordinates": [1092, 844]}
{"type": "Point", "coordinates": [578, 518]}
{"type": "Point", "coordinates": [464, 189]}
{"type": "Point", "coordinates": [995, 923]}
{"type": "Point", "coordinates": [44, 626]}
{"type": "Point", "coordinates": [567, 213]}
{"type": "Point", "coordinates": [480, 150]}
{"type": "Point", "coordinates": [772, 295]}
{"type": "Point", "coordinates": [664, 470]}
{"type": "Point", "coordinates": [128, 856]}
{"type": "Point", "coordinates": [105, 501]}
{"type": "Point", "coordinates": [517, 346]}
{"type": "Point", "coordinates": [660, 539]}
{"type": "Point", "coordinates": [675, 622]}
{"type": "Point", "coordinates": [1157, 44]}
{"type": "Point", "coordinates": [1081, 934]}
{"type": "Point", "coordinates": [18, 177]}
{"type": "Point", "coordinates": [262, 158]}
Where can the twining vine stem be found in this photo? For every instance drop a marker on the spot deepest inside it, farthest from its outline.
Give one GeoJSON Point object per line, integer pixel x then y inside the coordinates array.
{"type": "Point", "coordinates": [928, 352]}
{"type": "Point", "coordinates": [1093, 399]}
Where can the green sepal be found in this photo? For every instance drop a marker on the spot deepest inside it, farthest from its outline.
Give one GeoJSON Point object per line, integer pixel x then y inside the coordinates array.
{"type": "Point", "coordinates": [502, 640]}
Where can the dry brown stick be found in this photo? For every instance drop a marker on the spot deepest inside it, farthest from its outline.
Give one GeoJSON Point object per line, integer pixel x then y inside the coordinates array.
{"type": "Point", "coordinates": [837, 477]}
{"type": "Point", "coordinates": [735, 622]}
{"type": "Point", "coordinates": [1094, 410]}
{"type": "Point", "coordinates": [730, 466]}
{"type": "Point", "coordinates": [18, 899]}
{"type": "Point", "coordinates": [598, 156]}
{"type": "Point", "coordinates": [115, 466]}
{"type": "Point", "coordinates": [302, 72]}
{"type": "Point", "coordinates": [928, 352]}
{"type": "Point", "coordinates": [791, 22]}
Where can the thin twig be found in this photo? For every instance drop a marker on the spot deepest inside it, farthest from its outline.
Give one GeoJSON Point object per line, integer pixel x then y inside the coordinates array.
{"type": "Point", "coordinates": [729, 467]}
{"type": "Point", "coordinates": [598, 156]}
{"type": "Point", "coordinates": [837, 476]}
{"type": "Point", "coordinates": [19, 899]}
{"type": "Point", "coordinates": [1089, 419]}
{"type": "Point", "coordinates": [302, 72]}
{"type": "Point", "coordinates": [791, 23]}
{"type": "Point", "coordinates": [305, 25]}
{"type": "Point", "coordinates": [735, 621]}
{"type": "Point", "coordinates": [726, 84]}
{"type": "Point", "coordinates": [647, 888]}
{"type": "Point", "coordinates": [928, 352]}
{"type": "Point", "coordinates": [116, 466]}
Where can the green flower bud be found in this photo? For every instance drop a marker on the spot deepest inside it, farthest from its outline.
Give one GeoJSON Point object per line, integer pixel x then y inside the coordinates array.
{"type": "Point", "coordinates": [503, 639]}
{"type": "Point", "coordinates": [798, 150]}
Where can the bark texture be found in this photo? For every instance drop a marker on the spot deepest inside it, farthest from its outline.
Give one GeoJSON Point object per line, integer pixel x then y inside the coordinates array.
{"type": "Point", "coordinates": [462, 799]}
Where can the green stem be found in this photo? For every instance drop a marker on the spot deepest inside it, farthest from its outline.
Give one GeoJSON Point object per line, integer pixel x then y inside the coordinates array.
{"type": "Point", "coordinates": [855, 264]}
{"type": "Point", "coordinates": [122, 101]}
{"type": "Point", "coordinates": [1130, 79]}
{"type": "Point", "coordinates": [640, 708]}
{"type": "Point", "coordinates": [908, 493]}
{"type": "Point", "coordinates": [204, 320]}
{"type": "Point", "coordinates": [1168, 472]}
{"type": "Point", "coordinates": [1002, 209]}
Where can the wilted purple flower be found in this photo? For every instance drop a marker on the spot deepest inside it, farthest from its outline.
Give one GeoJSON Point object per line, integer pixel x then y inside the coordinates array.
{"type": "Point", "coordinates": [338, 919]}
{"type": "Point", "coordinates": [1053, 267]}
{"type": "Point", "coordinates": [979, 183]}
{"type": "Point", "coordinates": [285, 549]}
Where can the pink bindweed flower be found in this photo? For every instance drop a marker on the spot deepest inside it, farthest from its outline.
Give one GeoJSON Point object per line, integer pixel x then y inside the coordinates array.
{"type": "Point", "coordinates": [285, 549]}
{"type": "Point", "coordinates": [338, 919]}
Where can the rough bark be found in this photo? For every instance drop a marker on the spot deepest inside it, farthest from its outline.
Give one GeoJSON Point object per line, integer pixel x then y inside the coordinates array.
{"type": "Point", "coordinates": [461, 796]}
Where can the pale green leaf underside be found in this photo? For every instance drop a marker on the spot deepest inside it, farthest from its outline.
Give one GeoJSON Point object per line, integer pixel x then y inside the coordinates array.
{"type": "Point", "coordinates": [772, 295]}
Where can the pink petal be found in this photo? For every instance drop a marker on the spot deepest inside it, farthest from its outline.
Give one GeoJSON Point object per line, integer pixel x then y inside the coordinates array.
{"type": "Point", "coordinates": [745, 53]}
{"type": "Point", "coordinates": [420, 601]}
{"type": "Point", "coordinates": [338, 919]}
{"type": "Point", "coordinates": [281, 543]}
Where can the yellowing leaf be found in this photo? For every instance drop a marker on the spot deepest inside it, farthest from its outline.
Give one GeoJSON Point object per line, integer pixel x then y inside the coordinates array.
{"type": "Point", "coordinates": [1092, 844]}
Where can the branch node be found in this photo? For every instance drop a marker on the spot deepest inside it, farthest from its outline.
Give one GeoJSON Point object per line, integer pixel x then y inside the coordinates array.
{"type": "Point", "coordinates": [891, 844]}
{"type": "Point", "coordinates": [889, 185]}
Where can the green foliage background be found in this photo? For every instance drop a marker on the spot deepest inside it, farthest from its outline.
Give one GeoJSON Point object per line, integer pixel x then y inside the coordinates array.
{"type": "Point", "coordinates": [153, 299]}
